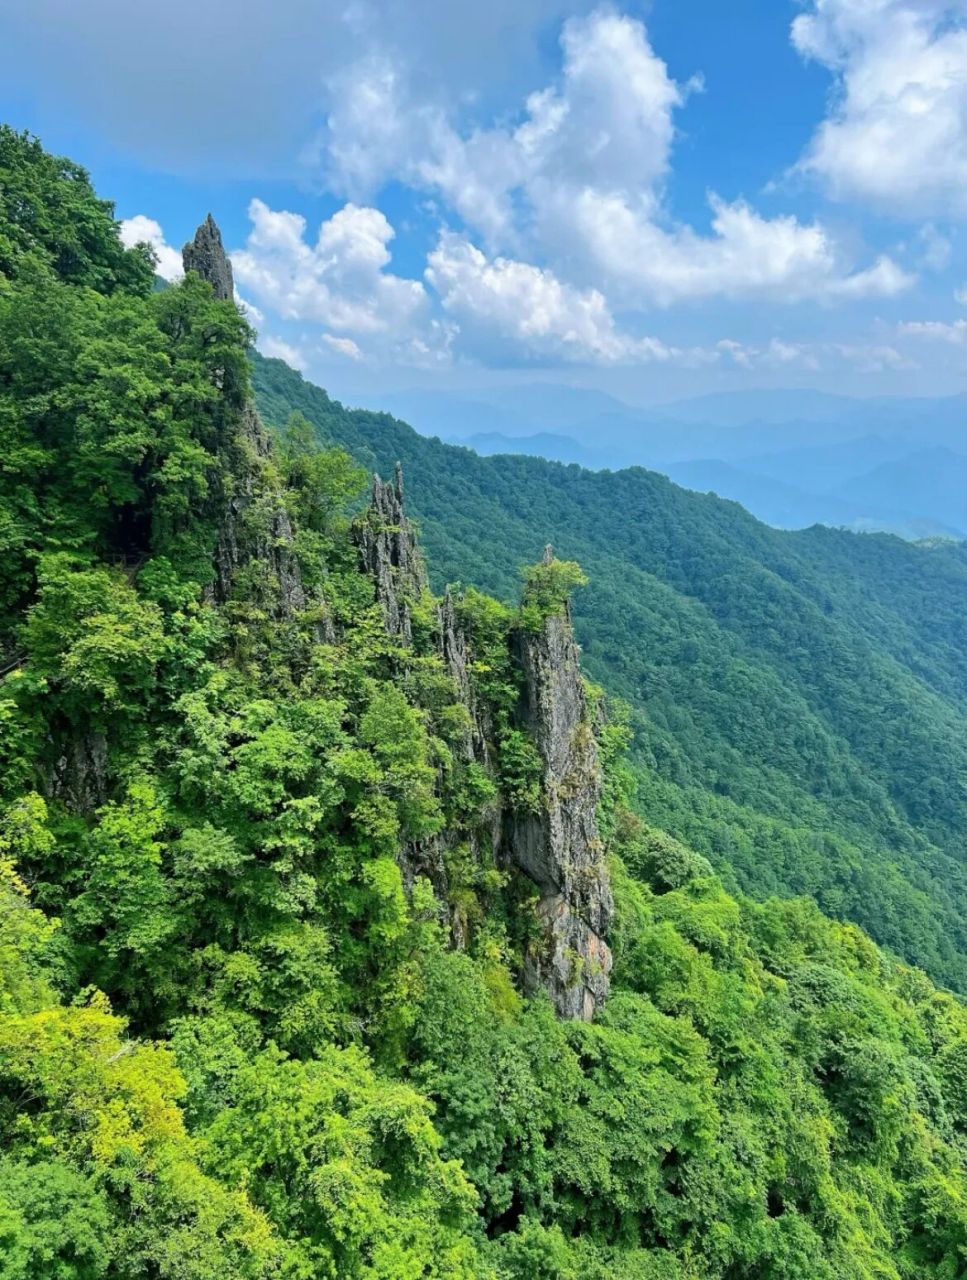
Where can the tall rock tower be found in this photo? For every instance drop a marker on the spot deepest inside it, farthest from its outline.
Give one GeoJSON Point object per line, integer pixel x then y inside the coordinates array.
{"type": "Point", "coordinates": [206, 255]}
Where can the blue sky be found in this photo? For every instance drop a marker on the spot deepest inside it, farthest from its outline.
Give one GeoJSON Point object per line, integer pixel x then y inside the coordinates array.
{"type": "Point", "coordinates": [654, 199]}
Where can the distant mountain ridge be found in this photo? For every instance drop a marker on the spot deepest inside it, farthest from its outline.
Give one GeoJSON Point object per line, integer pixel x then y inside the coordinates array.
{"type": "Point", "coordinates": [793, 458]}
{"type": "Point", "coordinates": [799, 700]}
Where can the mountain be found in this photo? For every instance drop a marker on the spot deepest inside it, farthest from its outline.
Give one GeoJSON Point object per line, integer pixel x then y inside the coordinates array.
{"type": "Point", "coordinates": [784, 506]}
{"type": "Point", "coordinates": [544, 445]}
{"type": "Point", "coordinates": [811, 442]}
{"type": "Point", "coordinates": [873, 507]}
{"type": "Point", "coordinates": [887, 415]}
{"type": "Point", "coordinates": [799, 699]}
{"type": "Point", "coordinates": [934, 479]}
{"type": "Point", "coordinates": [336, 939]}
{"type": "Point", "coordinates": [822, 469]}
{"type": "Point", "coordinates": [519, 410]}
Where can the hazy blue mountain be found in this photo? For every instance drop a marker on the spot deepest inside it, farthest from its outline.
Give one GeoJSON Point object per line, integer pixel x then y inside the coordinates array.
{"type": "Point", "coordinates": [933, 480]}
{"type": "Point", "coordinates": [823, 468]}
{"type": "Point", "coordinates": [521, 410]}
{"type": "Point", "coordinates": [785, 506]}
{"type": "Point", "coordinates": [793, 457]}
{"type": "Point", "coordinates": [555, 448]}
{"type": "Point", "coordinates": [922, 417]}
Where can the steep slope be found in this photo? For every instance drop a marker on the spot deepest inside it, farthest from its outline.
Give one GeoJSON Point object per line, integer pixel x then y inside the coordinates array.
{"type": "Point", "coordinates": [799, 699]}
{"type": "Point", "coordinates": [310, 849]}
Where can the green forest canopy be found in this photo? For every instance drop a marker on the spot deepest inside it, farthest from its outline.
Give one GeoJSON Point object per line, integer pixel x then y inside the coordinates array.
{"type": "Point", "coordinates": [799, 700]}
{"type": "Point", "coordinates": [231, 1042]}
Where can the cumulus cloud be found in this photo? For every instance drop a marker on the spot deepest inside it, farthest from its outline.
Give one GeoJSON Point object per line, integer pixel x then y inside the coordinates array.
{"type": "Point", "coordinates": [746, 255]}
{"type": "Point", "coordinates": [340, 280]}
{"type": "Point", "coordinates": [954, 333]}
{"type": "Point", "coordinates": [526, 311]}
{"type": "Point", "coordinates": [897, 131]}
{"type": "Point", "coordinates": [144, 230]}
{"type": "Point", "coordinates": [860, 357]}
{"type": "Point", "coordinates": [576, 184]}
{"type": "Point", "coordinates": [342, 346]}
{"type": "Point", "coordinates": [282, 350]}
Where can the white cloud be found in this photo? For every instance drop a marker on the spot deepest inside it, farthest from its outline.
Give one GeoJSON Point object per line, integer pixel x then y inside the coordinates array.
{"type": "Point", "coordinates": [873, 357]}
{"type": "Point", "coordinates": [936, 249]}
{"type": "Point", "coordinates": [342, 346]}
{"type": "Point", "coordinates": [337, 281]}
{"type": "Point", "coordinates": [527, 312]}
{"type": "Point", "coordinates": [746, 255]}
{"type": "Point", "coordinates": [862, 357]}
{"type": "Point", "coordinates": [897, 131]}
{"type": "Point", "coordinates": [281, 350]}
{"type": "Point", "coordinates": [576, 184]}
{"type": "Point", "coordinates": [144, 230]}
{"type": "Point", "coordinates": [776, 354]}
{"type": "Point", "coordinates": [954, 333]}
{"type": "Point", "coordinates": [249, 310]}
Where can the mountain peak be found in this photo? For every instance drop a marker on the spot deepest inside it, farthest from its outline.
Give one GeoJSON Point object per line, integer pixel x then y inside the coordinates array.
{"type": "Point", "coordinates": [206, 255]}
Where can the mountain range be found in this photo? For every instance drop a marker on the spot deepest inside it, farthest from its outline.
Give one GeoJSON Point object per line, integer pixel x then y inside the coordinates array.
{"type": "Point", "coordinates": [792, 458]}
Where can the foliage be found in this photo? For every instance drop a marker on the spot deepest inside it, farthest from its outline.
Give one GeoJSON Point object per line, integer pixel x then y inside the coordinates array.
{"type": "Point", "coordinates": [798, 701]}
{"type": "Point", "coordinates": [236, 1038]}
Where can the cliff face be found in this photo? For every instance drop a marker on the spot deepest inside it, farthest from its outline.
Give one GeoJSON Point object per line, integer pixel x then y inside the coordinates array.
{"type": "Point", "coordinates": [252, 522]}
{"type": "Point", "coordinates": [559, 848]}
{"type": "Point", "coordinates": [389, 555]}
{"type": "Point", "coordinates": [206, 255]}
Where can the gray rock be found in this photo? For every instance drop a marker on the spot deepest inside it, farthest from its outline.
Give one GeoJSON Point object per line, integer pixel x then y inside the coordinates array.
{"type": "Point", "coordinates": [206, 256]}
{"type": "Point", "coordinates": [79, 778]}
{"type": "Point", "coordinates": [559, 848]}
{"type": "Point", "coordinates": [453, 647]}
{"type": "Point", "coordinates": [388, 554]}
{"type": "Point", "coordinates": [253, 523]}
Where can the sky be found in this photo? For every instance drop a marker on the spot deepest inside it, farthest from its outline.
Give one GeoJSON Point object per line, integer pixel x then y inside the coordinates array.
{"type": "Point", "coordinates": [654, 199]}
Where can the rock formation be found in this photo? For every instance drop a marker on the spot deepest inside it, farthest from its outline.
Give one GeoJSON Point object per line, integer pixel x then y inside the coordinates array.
{"type": "Point", "coordinates": [559, 848]}
{"type": "Point", "coordinates": [206, 255]}
{"type": "Point", "coordinates": [388, 553]}
{"type": "Point", "coordinates": [253, 524]}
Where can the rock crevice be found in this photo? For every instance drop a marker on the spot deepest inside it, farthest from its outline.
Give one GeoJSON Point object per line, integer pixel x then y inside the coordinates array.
{"type": "Point", "coordinates": [389, 555]}
{"type": "Point", "coordinates": [559, 848]}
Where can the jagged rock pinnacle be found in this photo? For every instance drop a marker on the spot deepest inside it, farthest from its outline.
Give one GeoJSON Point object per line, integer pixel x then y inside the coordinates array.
{"type": "Point", "coordinates": [206, 255]}
{"type": "Point", "coordinates": [388, 554]}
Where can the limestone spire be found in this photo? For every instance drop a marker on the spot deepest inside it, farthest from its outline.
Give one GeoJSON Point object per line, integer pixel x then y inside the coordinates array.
{"type": "Point", "coordinates": [206, 255]}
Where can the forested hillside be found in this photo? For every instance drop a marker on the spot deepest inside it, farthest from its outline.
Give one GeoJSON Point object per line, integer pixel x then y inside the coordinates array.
{"type": "Point", "coordinates": [337, 938]}
{"type": "Point", "coordinates": [799, 700]}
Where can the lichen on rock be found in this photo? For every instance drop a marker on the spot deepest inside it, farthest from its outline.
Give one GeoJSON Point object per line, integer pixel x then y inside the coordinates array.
{"type": "Point", "coordinates": [389, 555]}
{"type": "Point", "coordinates": [559, 847]}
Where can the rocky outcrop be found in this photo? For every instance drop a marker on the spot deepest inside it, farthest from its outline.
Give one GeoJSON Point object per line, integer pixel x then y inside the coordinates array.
{"type": "Point", "coordinates": [453, 648]}
{"type": "Point", "coordinates": [389, 555]}
{"type": "Point", "coordinates": [206, 255]}
{"type": "Point", "coordinates": [253, 523]}
{"type": "Point", "coordinates": [559, 848]}
{"type": "Point", "coordinates": [79, 778]}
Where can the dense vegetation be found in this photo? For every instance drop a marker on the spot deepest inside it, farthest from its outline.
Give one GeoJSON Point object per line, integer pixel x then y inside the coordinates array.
{"type": "Point", "coordinates": [799, 700]}
{"type": "Point", "coordinates": [232, 1042]}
